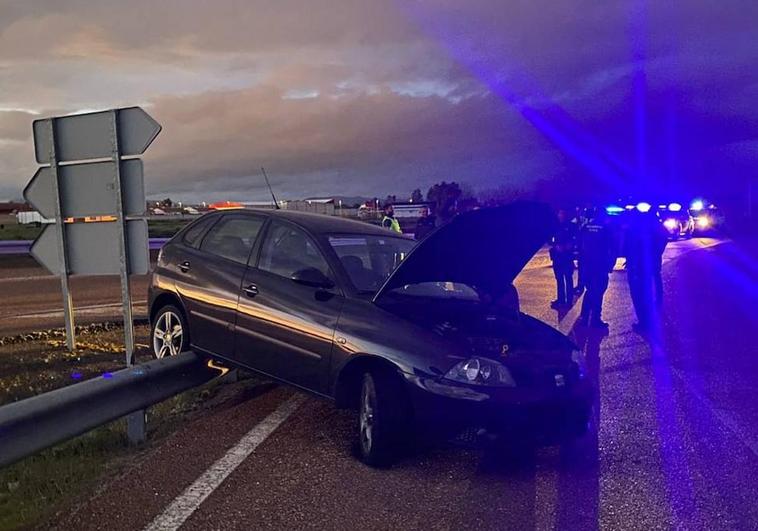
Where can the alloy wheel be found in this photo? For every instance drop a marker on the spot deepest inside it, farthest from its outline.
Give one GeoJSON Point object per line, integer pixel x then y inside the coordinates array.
{"type": "Point", "coordinates": [367, 419]}
{"type": "Point", "coordinates": [167, 335]}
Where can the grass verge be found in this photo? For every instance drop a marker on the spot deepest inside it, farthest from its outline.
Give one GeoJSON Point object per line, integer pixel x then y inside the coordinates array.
{"type": "Point", "coordinates": [36, 488]}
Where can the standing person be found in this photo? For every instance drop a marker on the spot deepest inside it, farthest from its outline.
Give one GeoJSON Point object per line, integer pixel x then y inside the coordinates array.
{"type": "Point", "coordinates": [579, 222]}
{"type": "Point", "coordinates": [389, 221]}
{"type": "Point", "coordinates": [425, 224]}
{"type": "Point", "coordinates": [597, 256]}
{"type": "Point", "coordinates": [644, 245]}
{"type": "Point", "coordinates": [562, 256]}
{"type": "Point", "coordinates": [660, 240]}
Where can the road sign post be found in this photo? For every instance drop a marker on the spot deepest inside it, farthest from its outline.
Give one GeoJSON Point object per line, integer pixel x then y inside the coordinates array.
{"type": "Point", "coordinates": [76, 187]}
{"type": "Point", "coordinates": [68, 306]}
{"type": "Point", "coordinates": [136, 429]}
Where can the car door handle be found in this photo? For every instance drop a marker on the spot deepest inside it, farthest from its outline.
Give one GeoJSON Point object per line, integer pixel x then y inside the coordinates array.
{"type": "Point", "coordinates": [251, 290]}
{"type": "Point", "coordinates": [184, 266]}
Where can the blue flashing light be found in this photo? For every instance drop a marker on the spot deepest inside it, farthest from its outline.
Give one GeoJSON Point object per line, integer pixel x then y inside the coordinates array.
{"type": "Point", "coordinates": [76, 375]}
{"type": "Point", "coordinates": [643, 207]}
{"type": "Point", "coordinates": [697, 205]}
{"type": "Point", "coordinates": [107, 375]}
{"type": "Point", "coordinates": [675, 207]}
{"type": "Point", "coordinates": [629, 207]}
{"type": "Point", "coordinates": [613, 209]}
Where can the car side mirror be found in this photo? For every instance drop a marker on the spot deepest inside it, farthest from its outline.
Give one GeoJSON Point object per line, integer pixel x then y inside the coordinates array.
{"type": "Point", "coordinates": [312, 277]}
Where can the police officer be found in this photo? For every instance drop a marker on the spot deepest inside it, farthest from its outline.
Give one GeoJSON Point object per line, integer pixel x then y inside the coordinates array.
{"type": "Point", "coordinates": [644, 244]}
{"type": "Point", "coordinates": [579, 221]}
{"type": "Point", "coordinates": [389, 221]}
{"type": "Point", "coordinates": [425, 224]}
{"type": "Point", "coordinates": [597, 256]}
{"type": "Point", "coordinates": [562, 256]}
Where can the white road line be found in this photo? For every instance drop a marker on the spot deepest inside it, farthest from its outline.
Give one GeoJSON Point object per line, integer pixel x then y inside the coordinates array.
{"type": "Point", "coordinates": [187, 503]}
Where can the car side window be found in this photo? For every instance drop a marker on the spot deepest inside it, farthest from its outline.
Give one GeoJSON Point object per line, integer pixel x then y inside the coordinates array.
{"type": "Point", "coordinates": [233, 237]}
{"type": "Point", "coordinates": [194, 235]}
{"type": "Point", "coordinates": [288, 249]}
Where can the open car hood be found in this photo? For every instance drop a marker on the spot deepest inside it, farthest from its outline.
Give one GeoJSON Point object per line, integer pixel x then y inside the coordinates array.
{"type": "Point", "coordinates": [484, 249]}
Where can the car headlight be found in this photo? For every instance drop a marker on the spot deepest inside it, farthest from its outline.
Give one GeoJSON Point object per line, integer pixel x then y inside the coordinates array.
{"type": "Point", "coordinates": [481, 371]}
{"type": "Point", "coordinates": [703, 222]}
{"type": "Point", "coordinates": [670, 224]}
{"type": "Point", "coordinates": [577, 356]}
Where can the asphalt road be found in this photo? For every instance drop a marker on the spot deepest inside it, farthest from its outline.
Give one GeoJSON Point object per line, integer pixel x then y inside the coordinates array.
{"type": "Point", "coordinates": [675, 443]}
{"type": "Point", "coordinates": [30, 298]}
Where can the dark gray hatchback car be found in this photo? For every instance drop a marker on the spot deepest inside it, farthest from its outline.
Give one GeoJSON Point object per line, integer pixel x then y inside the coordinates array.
{"type": "Point", "coordinates": [425, 339]}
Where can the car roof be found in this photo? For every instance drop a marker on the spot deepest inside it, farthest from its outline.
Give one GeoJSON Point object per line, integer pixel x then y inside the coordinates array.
{"type": "Point", "coordinates": [321, 223]}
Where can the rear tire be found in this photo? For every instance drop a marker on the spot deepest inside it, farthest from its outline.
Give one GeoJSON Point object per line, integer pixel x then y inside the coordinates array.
{"type": "Point", "coordinates": [383, 419]}
{"type": "Point", "coordinates": [169, 334]}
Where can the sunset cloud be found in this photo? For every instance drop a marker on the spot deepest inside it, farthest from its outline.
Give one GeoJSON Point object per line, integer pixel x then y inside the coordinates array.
{"type": "Point", "coordinates": [380, 97]}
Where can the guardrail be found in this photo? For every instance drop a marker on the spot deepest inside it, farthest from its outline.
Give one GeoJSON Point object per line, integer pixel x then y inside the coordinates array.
{"type": "Point", "coordinates": [36, 423]}
{"type": "Point", "coordinates": [23, 246]}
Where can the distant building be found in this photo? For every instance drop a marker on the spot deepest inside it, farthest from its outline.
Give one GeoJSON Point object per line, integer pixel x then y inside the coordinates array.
{"type": "Point", "coordinates": [31, 216]}
{"type": "Point", "coordinates": [225, 205]}
{"type": "Point", "coordinates": [317, 206]}
{"type": "Point", "coordinates": [410, 210]}
{"type": "Point", "coordinates": [264, 205]}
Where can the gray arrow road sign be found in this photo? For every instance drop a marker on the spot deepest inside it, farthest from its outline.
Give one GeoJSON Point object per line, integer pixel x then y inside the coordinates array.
{"type": "Point", "coordinates": [88, 190]}
{"type": "Point", "coordinates": [92, 248]}
{"type": "Point", "coordinates": [88, 136]}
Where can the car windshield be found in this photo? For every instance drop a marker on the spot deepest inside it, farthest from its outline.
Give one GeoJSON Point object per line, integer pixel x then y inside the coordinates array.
{"type": "Point", "coordinates": [369, 259]}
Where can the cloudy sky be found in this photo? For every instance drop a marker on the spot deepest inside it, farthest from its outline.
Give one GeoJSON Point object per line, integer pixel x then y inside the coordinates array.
{"type": "Point", "coordinates": [370, 97]}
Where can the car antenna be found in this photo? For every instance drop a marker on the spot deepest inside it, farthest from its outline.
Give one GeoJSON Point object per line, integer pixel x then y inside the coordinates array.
{"type": "Point", "coordinates": [276, 203]}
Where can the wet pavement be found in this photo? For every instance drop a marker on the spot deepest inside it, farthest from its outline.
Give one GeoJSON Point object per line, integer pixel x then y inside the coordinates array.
{"type": "Point", "coordinates": [674, 443]}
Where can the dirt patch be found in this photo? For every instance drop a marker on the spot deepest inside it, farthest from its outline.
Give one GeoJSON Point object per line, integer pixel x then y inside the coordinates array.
{"type": "Point", "coordinates": [37, 362]}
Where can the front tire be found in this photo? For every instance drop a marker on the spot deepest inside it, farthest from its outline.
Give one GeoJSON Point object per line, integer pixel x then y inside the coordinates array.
{"type": "Point", "coordinates": [169, 332]}
{"type": "Point", "coordinates": [383, 419]}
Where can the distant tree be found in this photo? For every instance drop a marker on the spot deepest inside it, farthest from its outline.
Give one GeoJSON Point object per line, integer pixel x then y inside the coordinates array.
{"type": "Point", "coordinates": [417, 196]}
{"type": "Point", "coordinates": [501, 196]}
{"type": "Point", "coordinates": [391, 199]}
{"type": "Point", "coordinates": [468, 200]}
{"type": "Point", "coordinates": [444, 198]}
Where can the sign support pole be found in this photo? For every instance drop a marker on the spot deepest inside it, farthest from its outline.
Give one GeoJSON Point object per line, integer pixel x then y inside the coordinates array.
{"type": "Point", "coordinates": [135, 422]}
{"type": "Point", "coordinates": [68, 307]}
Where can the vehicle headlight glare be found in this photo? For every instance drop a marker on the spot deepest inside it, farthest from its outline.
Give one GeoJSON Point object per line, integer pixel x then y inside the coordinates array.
{"type": "Point", "coordinates": [670, 224]}
{"type": "Point", "coordinates": [703, 222]}
{"type": "Point", "coordinates": [481, 371]}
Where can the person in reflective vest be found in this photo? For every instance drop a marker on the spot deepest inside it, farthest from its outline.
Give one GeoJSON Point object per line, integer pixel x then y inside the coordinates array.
{"type": "Point", "coordinates": [389, 221]}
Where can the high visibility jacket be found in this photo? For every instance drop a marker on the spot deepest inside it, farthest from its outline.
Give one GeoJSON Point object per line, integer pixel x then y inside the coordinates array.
{"type": "Point", "coordinates": [391, 224]}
